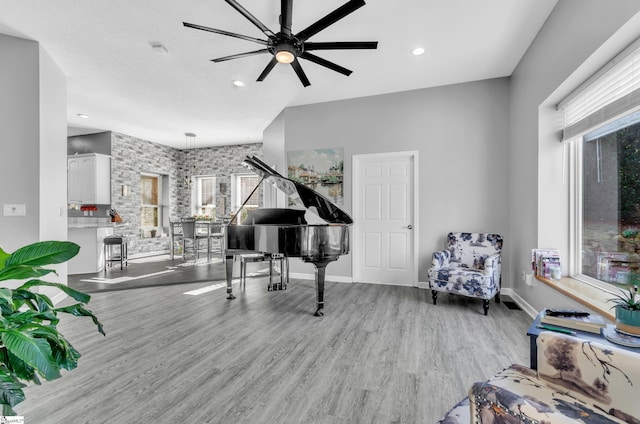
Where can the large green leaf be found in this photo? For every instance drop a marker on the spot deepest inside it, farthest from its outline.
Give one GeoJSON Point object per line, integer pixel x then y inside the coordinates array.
{"type": "Point", "coordinates": [30, 319]}
{"type": "Point", "coordinates": [21, 370]}
{"type": "Point", "coordinates": [64, 353]}
{"type": "Point", "coordinates": [6, 294]}
{"type": "Point", "coordinates": [21, 272]}
{"type": "Point", "coordinates": [36, 352]}
{"type": "Point", "coordinates": [79, 311]}
{"type": "Point", "coordinates": [3, 257]}
{"type": "Point", "coordinates": [75, 294]}
{"type": "Point", "coordinates": [43, 253]}
{"type": "Point", "coordinates": [10, 390]}
{"type": "Point", "coordinates": [42, 302]}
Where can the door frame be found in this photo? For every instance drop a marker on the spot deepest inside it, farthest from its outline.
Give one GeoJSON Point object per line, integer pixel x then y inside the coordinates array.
{"type": "Point", "coordinates": [356, 163]}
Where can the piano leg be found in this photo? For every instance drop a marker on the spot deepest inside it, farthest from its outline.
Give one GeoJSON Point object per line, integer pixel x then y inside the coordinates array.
{"type": "Point", "coordinates": [320, 266]}
{"type": "Point", "coordinates": [229, 268]}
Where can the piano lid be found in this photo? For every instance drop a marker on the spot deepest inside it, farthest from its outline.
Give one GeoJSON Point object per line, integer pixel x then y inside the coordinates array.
{"type": "Point", "coordinates": [311, 199]}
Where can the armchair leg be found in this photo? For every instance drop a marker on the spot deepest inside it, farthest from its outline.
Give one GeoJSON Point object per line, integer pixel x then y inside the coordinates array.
{"type": "Point", "coordinates": [498, 297]}
{"type": "Point", "coordinates": [434, 296]}
{"type": "Point", "coordinates": [485, 305]}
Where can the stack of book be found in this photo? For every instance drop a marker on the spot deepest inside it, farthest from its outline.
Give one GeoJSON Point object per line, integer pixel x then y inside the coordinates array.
{"type": "Point", "coordinates": [544, 260]}
{"type": "Point", "coordinates": [577, 320]}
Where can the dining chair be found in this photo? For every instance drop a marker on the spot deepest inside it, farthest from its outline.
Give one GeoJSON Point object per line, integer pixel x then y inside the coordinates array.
{"type": "Point", "coordinates": [191, 239]}
{"type": "Point", "coordinates": [216, 236]}
{"type": "Point", "coordinates": [176, 237]}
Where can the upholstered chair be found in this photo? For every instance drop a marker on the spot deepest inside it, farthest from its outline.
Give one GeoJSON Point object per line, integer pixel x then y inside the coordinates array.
{"type": "Point", "coordinates": [469, 266]}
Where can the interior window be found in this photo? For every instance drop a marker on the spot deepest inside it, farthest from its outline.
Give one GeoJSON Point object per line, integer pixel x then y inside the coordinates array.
{"type": "Point", "coordinates": [245, 184]}
{"type": "Point", "coordinates": [205, 196]}
{"type": "Point", "coordinates": [150, 211]}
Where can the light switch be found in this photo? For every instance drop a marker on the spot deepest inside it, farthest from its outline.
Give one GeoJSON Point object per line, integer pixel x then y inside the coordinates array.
{"type": "Point", "coordinates": [14, 210]}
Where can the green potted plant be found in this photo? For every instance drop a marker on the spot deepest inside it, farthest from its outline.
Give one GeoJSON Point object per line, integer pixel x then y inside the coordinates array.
{"type": "Point", "coordinates": [627, 306]}
{"type": "Point", "coordinates": [31, 347]}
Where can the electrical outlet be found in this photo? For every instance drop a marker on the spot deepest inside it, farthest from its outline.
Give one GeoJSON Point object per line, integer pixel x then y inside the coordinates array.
{"type": "Point", "coordinates": [524, 276]}
{"type": "Point", "coordinates": [529, 279]}
{"type": "Point", "coordinates": [14, 210]}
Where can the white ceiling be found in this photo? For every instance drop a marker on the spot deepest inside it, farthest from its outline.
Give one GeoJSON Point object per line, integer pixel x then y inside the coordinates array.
{"type": "Point", "coordinates": [114, 76]}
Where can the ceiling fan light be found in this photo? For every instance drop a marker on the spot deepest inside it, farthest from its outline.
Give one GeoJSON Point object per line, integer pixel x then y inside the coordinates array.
{"type": "Point", "coordinates": [285, 56]}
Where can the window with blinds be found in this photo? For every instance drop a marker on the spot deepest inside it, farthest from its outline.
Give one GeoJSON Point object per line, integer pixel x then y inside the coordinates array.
{"type": "Point", "coordinates": [602, 124]}
{"type": "Point", "coordinates": [205, 196]}
{"type": "Point", "coordinates": [610, 93]}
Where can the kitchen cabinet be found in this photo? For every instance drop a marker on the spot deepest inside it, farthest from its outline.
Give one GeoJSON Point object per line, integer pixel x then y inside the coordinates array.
{"type": "Point", "coordinates": [89, 179]}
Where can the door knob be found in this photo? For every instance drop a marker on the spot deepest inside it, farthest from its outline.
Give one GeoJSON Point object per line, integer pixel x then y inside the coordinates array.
{"type": "Point", "coordinates": [410, 226]}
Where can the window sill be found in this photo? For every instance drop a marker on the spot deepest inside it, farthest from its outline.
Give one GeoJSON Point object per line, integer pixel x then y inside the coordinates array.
{"type": "Point", "coordinates": [585, 294]}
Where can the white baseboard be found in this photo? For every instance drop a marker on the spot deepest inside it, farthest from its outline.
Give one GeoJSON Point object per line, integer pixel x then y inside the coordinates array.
{"type": "Point", "coordinates": [58, 298]}
{"type": "Point", "coordinates": [148, 254]}
{"type": "Point", "coordinates": [336, 278]}
{"type": "Point", "coordinates": [530, 310]}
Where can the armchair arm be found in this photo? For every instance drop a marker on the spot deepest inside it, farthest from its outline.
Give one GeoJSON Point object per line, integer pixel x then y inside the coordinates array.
{"type": "Point", "coordinates": [440, 259]}
{"type": "Point", "coordinates": [490, 403]}
{"type": "Point", "coordinates": [492, 264]}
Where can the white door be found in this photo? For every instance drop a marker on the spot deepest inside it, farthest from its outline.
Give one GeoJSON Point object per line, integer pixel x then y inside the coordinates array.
{"type": "Point", "coordinates": [384, 190]}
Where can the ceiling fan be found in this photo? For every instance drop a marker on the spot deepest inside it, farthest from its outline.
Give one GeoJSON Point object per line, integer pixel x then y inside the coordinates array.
{"type": "Point", "coordinates": [287, 47]}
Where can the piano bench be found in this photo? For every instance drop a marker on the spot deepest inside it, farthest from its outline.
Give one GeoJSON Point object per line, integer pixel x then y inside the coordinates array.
{"type": "Point", "coordinates": [262, 257]}
{"type": "Point", "coordinates": [250, 257]}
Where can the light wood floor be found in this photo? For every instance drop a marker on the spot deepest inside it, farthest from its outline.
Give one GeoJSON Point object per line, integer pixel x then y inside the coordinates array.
{"type": "Point", "coordinates": [381, 354]}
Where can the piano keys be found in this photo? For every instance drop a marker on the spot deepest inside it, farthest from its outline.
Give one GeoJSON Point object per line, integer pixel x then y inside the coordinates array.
{"type": "Point", "coordinates": [285, 231]}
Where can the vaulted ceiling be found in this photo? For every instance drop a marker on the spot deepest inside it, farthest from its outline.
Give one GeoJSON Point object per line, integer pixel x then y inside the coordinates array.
{"type": "Point", "coordinates": [116, 78]}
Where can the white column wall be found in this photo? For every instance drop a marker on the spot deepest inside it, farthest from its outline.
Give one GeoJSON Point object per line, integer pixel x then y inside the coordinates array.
{"type": "Point", "coordinates": [33, 140]}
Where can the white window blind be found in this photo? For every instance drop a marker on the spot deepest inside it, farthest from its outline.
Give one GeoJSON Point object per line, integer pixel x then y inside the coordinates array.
{"type": "Point", "coordinates": [612, 91]}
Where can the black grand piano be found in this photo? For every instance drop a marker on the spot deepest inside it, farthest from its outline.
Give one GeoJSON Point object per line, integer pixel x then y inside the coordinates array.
{"type": "Point", "coordinates": [285, 231]}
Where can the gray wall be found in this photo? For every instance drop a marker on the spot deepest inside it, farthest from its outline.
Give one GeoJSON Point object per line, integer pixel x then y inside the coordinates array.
{"type": "Point", "coordinates": [578, 38]}
{"type": "Point", "coordinates": [19, 146]}
{"type": "Point", "coordinates": [89, 143]}
{"type": "Point", "coordinates": [32, 146]}
{"type": "Point", "coordinates": [460, 132]}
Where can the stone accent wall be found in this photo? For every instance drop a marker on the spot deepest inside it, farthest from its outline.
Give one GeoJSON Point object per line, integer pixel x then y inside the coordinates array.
{"type": "Point", "coordinates": [222, 162]}
{"type": "Point", "coordinates": [132, 156]}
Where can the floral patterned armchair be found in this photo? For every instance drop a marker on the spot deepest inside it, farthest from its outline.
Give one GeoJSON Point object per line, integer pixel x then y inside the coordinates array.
{"type": "Point", "coordinates": [470, 266]}
{"type": "Point", "coordinates": [576, 381]}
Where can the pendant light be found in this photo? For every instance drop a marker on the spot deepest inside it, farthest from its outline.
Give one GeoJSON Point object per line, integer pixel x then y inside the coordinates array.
{"type": "Point", "coordinates": [190, 159]}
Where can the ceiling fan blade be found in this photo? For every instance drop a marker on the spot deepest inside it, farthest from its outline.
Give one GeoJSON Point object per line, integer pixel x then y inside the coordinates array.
{"type": "Point", "coordinates": [323, 62]}
{"type": "Point", "coordinates": [286, 11]}
{"type": "Point", "coordinates": [330, 19]}
{"type": "Point", "coordinates": [244, 12]}
{"type": "Point", "coordinates": [268, 69]}
{"type": "Point", "coordinates": [227, 33]}
{"type": "Point", "coordinates": [341, 45]}
{"type": "Point", "coordinates": [303, 78]}
{"type": "Point", "coordinates": [239, 55]}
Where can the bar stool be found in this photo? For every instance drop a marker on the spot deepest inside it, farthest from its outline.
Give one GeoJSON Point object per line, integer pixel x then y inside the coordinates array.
{"type": "Point", "coordinates": [120, 255]}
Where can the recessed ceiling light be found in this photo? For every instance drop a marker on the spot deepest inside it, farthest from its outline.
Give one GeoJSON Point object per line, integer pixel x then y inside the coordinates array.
{"type": "Point", "coordinates": [238, 83]}
{"type": "Point", "coordinates": [158, 48]}
{"type": "Point", "coordinates": [417, 51]}
{"type": "Point", "coordinates": [82, 115]}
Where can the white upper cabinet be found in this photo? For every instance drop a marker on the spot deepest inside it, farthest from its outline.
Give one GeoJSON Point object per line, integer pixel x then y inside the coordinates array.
{"type": "Point", "coordinates": [89, 179]}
